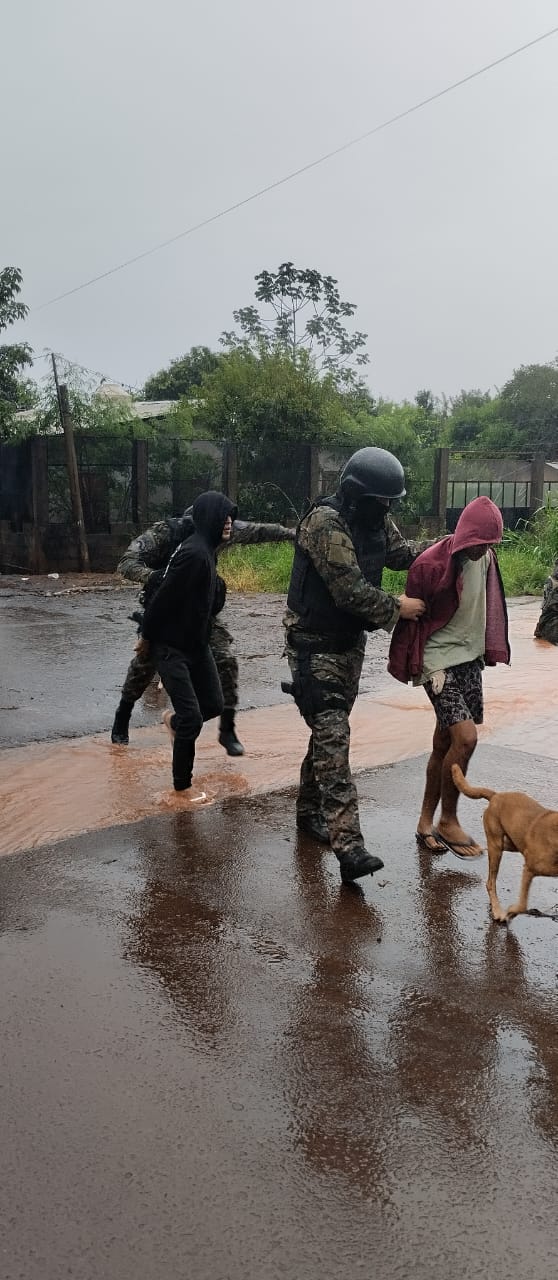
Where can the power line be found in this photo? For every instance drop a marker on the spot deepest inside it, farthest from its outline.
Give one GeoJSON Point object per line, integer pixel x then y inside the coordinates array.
{"type": "Point", "coordinates": [296, 173]}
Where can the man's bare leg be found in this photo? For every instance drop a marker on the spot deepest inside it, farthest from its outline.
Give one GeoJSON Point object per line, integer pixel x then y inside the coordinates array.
{"type": "Point", "coordinates": [463, 740]}
{"type": "Point", "coordinates": [441, 744]}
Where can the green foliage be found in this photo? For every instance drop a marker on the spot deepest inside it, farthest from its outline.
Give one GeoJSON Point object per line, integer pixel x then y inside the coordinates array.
{"type": "Point", "coordinates": [477, 421]}
{"type": "Point", "coordinates": [303, 314]}
{"type": "Point", "coordinates": [15, 392]}
{"type": "Point", "coordinates": [183, 376]}
{"type": "Point", "coordinates": [530, 404]}
{"type": "Point", "coordinates": [522, 418]}
{"type": "Point", "coordinates": [538, 538]}
{"type": "Point", "coordinates": [264, 395]}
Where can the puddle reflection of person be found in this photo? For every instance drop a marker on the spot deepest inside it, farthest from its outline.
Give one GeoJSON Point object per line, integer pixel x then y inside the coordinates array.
{"type": "Point", "coordinates": [328, 1069]}
{"type": "Point", "coordinates": [446, 1041]}
{"type": "Point", "coordinates": [177, 931]}
{"type": "Point", "coordinates": [367, 1075]}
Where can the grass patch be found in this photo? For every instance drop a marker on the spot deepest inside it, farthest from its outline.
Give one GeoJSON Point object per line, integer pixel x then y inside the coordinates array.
{"type": "Point", "coordinates": [261, 568]}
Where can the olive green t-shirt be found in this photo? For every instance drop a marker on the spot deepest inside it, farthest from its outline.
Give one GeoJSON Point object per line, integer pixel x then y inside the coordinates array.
{"type": "Point", "coordinates": [463, 637]}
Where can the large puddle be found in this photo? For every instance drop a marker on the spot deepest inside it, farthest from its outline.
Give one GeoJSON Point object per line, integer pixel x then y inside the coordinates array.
{"type": "Point", "coordinates": [55, 790]}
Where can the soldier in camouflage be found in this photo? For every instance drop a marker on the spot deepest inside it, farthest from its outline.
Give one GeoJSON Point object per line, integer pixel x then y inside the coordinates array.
{"type": "Point", "coordinates": [342, 545]}
{"type": "Point", "coordinates": [547, 625]}
{"type": "Point", "coordinates": [151, 552]}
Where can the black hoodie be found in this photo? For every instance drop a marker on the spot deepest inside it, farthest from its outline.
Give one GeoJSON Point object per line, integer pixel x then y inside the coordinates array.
{"type": "Point", "coordinates": [180, 612]}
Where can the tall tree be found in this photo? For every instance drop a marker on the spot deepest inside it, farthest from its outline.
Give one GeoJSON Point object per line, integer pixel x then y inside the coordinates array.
{"type": "Point", "coordinates": [183, 375]}
{"type": "Point", "coordinates": [530, 403]}
{"type": "Point", "coordinates": [303, 312]}
{"type": "Point", "coordinates": [15, 392]}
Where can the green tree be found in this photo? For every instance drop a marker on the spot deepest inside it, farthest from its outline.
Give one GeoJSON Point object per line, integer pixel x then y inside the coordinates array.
{"type": "Point", "coordinates": [475, 421]}
{"type": "Point", "coordinates": [15, 392]}
{"type": "Point", "coordinates": [268, 397]}
{"type": "Point", "coordinates": [183, 375]}
{"type": "Point", "coordinates": [303, 313]}
{"type": "Point", "coordinates": [530, 404]}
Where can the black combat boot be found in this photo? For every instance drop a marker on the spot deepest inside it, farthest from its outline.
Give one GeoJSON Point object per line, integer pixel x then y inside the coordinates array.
{"type": "Point", "coordinates": [119, 731]}
{"type": "Point", "coordinates": [227, 734]}
{"type": "Point", "coordinates": [358, 863]}
{"type": "Point", "coordinates": [313, 824]}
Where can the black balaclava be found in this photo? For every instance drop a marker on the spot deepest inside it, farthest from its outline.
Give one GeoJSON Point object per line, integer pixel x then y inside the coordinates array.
{"type": "Point", "coordinates": [366, 514]}
{"type": "Point", "coordinates": [209, 513]}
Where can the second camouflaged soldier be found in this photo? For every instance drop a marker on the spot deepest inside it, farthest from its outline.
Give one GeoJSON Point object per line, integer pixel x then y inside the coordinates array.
{"type": "Point", "coordinates": [342, 545]}
{"type": "Point", "coordinates": [148, 554]}
{"type": "Point", "coordinates": [547, 625]}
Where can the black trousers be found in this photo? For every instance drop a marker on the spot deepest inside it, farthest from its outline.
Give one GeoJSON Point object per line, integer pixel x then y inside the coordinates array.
{"type": "Point", "coordinates": [193, 685]}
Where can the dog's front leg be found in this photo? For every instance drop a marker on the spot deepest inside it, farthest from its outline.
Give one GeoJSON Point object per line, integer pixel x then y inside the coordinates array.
{"type": "Point", "coordinates": [521, 906]}
{"type": "Point", "coordinates": [495, 851]}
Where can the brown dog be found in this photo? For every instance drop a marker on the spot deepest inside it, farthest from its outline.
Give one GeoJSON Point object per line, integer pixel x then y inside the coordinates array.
{"type": "Point", "coordinates": [513, 821]}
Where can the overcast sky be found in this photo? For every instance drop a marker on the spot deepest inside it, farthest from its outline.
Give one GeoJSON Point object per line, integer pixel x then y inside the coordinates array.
{"type": "Point", "coordinates": [125, 121]}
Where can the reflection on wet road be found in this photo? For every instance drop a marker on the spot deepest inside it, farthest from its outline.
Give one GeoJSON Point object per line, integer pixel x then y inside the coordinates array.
{"type": "Point", "coordinates": [218, 1063]}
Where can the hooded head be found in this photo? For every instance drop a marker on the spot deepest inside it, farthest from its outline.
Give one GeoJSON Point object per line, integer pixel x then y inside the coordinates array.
{"type": "Point", "coordinates": [479, 526]}
{"type": "Point", "coordinates": [209, 512]}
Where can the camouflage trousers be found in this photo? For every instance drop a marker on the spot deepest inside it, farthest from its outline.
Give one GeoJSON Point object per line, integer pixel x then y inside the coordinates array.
{"type": "Point", "coordinates": [325, 689]}
{"type": "Point", "coordinates": [142, 670]}
{"type": "Point", "coordinates": [547, 625]}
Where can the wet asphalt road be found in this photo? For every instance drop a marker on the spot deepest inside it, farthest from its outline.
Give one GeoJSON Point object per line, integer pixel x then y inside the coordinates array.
{"type": "Point", "coordinates": [217, 1063]}
{"type": "Point", "coordinates": [64, 660]}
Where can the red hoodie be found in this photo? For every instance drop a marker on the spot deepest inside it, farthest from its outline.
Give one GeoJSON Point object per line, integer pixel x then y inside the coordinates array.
{"type": "Point", "coordinates": [436, 577]}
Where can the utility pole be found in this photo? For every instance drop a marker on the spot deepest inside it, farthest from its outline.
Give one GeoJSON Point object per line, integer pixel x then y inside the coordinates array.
{"type": "Point", "coordinates": [71, 463]}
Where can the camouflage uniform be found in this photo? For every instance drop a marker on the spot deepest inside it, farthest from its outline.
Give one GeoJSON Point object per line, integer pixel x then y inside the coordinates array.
{"type": "Point", "coordinates": [547, 625]}
{"type": "Point", "coordinates": [325, 683]}
{"type": "Point", "coordinates": [151, 551]}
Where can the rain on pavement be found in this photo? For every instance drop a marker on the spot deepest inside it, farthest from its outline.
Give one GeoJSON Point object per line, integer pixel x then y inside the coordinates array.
{"type": "Point", "coordinates": [216, 1062]}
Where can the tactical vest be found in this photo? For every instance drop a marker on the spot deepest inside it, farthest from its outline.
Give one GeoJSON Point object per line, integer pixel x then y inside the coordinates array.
{"type": "Point", "coordinates": [309, 596]}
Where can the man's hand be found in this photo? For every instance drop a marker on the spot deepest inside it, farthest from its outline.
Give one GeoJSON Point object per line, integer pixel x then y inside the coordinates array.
{"type": "Point", "coordinates": [142, 647]}
{"type": "Point", "coordinates": [410, 608]}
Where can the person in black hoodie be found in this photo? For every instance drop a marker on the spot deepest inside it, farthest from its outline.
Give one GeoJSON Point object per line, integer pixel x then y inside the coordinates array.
{"type": "Point", "coordinates": [176, 627]}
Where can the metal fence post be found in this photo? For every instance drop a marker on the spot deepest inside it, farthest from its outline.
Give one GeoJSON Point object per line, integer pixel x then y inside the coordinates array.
{"type": "Point", "coordinates": [140, 482]}
{"type": "Point", "coordinates": [440, 486]}
{"type": "Point", "coordinates": [230, 471]}
{"type": "Point", "coordinates": [536, 496]}
{"type": "Point", "coordinates": [39, 502]}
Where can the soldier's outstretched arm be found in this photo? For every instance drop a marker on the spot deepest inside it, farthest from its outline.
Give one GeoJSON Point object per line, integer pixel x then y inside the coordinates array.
{"type": "Point", "coordinates": [251, 531]}
{"type": "Point", "coordinates": [333, 555]}
{"type": "Point", "coordinates": [148, 552]}
{"type": "Point", "coordinates": [401, 552]}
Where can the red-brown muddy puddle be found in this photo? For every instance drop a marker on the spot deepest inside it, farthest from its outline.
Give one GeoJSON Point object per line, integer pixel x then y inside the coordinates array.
{"type": "Point", "coordinates": [55, 790]}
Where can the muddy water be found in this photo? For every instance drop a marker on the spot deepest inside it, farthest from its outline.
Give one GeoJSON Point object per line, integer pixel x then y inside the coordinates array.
{"type": "Point", "coordinates": [49, 791]}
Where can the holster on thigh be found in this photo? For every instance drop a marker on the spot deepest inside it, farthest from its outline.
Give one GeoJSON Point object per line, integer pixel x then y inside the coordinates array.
{"type": "Point", "coordinates": [313, 695]}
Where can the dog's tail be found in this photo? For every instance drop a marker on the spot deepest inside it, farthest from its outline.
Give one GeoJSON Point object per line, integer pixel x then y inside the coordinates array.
{"type": "Point", "coordinates": [474, 793]}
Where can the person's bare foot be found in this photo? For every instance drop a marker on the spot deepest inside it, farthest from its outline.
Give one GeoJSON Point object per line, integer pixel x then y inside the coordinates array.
{"type": "Point", "coordinates": [430, 842]}
{"type": "Point", "coordinates": [458, 841]}
{"type": "Point", "coordinates": [191, 798]}
{"type": "Point", "coordinates": [166, 720]}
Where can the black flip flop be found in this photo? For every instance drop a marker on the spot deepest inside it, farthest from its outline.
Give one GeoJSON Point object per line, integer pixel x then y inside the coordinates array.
{"type": "Point", "coordinates": [453, 846]}
{"type": "Point", "coordinates": [422, 838]}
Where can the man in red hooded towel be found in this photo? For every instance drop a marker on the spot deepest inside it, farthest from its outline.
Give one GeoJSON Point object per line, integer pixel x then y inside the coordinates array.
{"type": "Point", "coordinates": [464, 628]}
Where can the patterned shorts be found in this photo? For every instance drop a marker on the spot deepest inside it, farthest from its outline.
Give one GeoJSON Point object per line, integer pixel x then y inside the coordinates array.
{"type": "Point", "coordinates": [461, 697]}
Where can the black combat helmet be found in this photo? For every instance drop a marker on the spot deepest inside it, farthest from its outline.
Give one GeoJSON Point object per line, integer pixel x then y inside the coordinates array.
{"type": "Point", "coordinates": [372, 473]}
